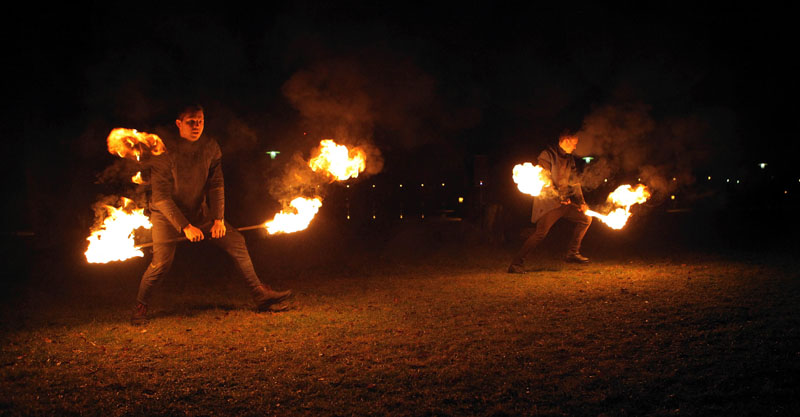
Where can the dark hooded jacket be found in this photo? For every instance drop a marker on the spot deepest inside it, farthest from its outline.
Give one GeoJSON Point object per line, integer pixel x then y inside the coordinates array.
{"type": "Point", "coordinates": [566, 184]}
{"type": "Point", "coordinates": [187, 182]}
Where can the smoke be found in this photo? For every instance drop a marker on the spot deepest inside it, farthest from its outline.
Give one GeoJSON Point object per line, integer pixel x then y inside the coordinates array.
{"type": "Point", "coordinates": [629, 144]}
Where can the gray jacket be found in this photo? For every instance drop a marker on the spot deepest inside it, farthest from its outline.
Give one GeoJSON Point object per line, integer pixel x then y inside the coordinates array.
{"type": "Point", "coordinates": [566, 184]}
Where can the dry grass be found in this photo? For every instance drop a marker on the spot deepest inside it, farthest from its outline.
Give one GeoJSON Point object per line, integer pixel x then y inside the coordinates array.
{"type": "Point", "coordinates": [685, 335]}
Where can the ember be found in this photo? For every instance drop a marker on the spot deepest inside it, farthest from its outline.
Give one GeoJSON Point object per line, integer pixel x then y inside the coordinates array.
{"type": "Point", "coordinates": [113, 239]}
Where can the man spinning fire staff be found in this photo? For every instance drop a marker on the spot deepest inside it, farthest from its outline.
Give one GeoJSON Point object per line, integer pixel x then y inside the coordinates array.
{"type": "Point", "coordinates": [188, 198]}
{"type": "Point", "coordinates": [564, 200]}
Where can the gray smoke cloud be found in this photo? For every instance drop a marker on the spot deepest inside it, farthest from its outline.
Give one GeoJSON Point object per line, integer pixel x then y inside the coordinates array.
{"type": "Point", "coordinates": [629, 144]}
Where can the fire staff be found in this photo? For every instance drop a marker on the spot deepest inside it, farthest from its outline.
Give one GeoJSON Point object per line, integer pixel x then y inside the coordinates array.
{"type": "Point", "coordinates": [566, 201]}
{"type": "Point", "coordinates": [188, 198]}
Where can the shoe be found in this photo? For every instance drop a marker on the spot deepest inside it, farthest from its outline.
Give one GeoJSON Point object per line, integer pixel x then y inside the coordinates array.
{"type": "Point", "coordinates": [265, 297]}
{"type": "Point", "coordinates": [516, 269]}
{"type": "Point", "coordinates": [577, 258]}
{"type": "Point", "coordinates": [139, 316]}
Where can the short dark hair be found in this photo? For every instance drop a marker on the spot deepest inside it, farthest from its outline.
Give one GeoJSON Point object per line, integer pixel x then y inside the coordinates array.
{"type": "Point", "coordinates": [566, 136]}
{"type": "Point", "coordinates": [190, 108]}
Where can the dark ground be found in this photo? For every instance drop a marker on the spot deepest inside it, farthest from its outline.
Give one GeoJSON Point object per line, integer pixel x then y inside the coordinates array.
{"type": "Point", "coordinates": [678, 314]}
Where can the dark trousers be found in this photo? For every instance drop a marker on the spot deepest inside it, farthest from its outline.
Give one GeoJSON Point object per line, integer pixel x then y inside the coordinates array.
{"type": "Point", "coordinates": [164, 253]}
{"type": "Point", "coordinates": [567, 211]}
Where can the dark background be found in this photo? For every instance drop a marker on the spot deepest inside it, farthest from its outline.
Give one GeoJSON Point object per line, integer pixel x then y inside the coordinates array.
{"type": "Point", "coordinates": [448, 94]}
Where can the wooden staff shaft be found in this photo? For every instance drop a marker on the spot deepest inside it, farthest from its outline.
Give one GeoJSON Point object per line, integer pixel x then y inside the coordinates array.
{"type": "Point", "coordinates": [182, 238]}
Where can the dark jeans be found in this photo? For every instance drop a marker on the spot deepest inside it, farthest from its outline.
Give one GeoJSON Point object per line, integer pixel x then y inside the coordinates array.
{"type": "Point", "coordinates": [567, 211]}
{"type": "Point", "coordinates": [163, 253]}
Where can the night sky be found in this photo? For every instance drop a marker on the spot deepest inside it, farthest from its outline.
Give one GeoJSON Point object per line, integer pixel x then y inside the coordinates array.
{"type": "Point", "coordinates": [686, 92]}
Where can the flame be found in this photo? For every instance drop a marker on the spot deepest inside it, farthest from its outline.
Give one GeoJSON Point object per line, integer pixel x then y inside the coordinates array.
{"type": "Point", "coordinates": [338, 161]}
{"type": "Point", "coordinates": [530, 179]}
{"type": "Point", "coordinates": [130, 143]}
{"type": "Point", "coordinates": [113, 240]}
{"type": "Point", "coordinates": [296, 218]}
{"type": "Point", "coordinates": [137, 179]}
{"type": "Point", "coordinates": [623, 198]}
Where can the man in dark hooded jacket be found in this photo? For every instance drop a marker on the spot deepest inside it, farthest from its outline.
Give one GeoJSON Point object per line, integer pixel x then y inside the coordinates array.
{"type": "Point", "coordinates": [565, 200]}
{"type": "Point", "coordinates": [188, 198]}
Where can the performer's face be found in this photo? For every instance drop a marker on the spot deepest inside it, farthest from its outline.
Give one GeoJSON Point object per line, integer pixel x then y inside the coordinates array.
{"type": "Point", "coordinates": [569, 145]}
{"type": "Point", "coordinates": [191, 125]}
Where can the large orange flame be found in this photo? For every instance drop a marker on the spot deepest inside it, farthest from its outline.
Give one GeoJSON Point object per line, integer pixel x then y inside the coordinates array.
{"type": "Point", "coordinates": [132, 144]}
{"type": "Point", "coordinates": [623, 198]}
{"type": "Point", "coordinates": [296, 218]}
{"type": "Point", "coordinates": [531, 179]}
{"type": "Point", "coordinates": [113, 240]}
{"type": "Point", "coordinates": [338, 161]}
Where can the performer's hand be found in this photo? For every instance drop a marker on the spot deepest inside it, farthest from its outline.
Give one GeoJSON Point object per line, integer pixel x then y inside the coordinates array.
{"type": "Point", "coordinates": [193, 234]}
{"type": "Point", "coordinates": [584, 207]}
{"type": "Point", "coordinates": [218, 229]}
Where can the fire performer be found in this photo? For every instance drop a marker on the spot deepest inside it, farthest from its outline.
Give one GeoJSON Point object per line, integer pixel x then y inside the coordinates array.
{"type": "Point", "coordinates": [188, 198]}
{"type": "Point", "coordinates": [565, 201]}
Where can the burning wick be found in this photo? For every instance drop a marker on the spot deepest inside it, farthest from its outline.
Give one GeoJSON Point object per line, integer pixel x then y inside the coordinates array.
{"type": "Point", "coordinates": [338, 161]}
{"type": "Point", "coordinates": [530, 179]}
{"type": "Point", "coordinates": [113, 240]}
{"type": "Point", "coordinates": [296, 218]}
{"type": "Point", "coordinates": [623, 198]}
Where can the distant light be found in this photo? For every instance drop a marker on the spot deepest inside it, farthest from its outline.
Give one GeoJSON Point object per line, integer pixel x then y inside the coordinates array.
{"type": "Point", "coordinates": [763, 165]}
{"type": "Point", "coordinates": [728, 180]}
{"type": "Point", "coordinates": [373, 217]}
{"type": "Point", "coordinates": [709, 177]}
{"type": "Point", "coordinates": [348, 186]}
{"type": "Point", "coordinates": [348, 217]}
{"type": "Point", "coordinates": [460, 199]}
{"type": "Point", "coordinates": [305, 133]}
{"type": "Point", "coordinates": [401, 185]}
{"type": "Point", "coordinates": [273, 154]}
{"type": "Point", "coordinates": [786, 191]}
{"type": "Point", "coordinates": [737, 181]}
{"type": "Point", "coordinates": [588, 159]}
{"type": "Point", "coordinates": [401, 217]}
{"type": "Point", "coordinates": [373, 185]}
{"type": "Point", "coordinates": [672, 197]}
{"type": "Point", "coordinates": [480, 182]}
{"type": "Point", "coordinates": [674, 179]}
{"type": "Point", "coordinates": [422, 216]}
{"type": "Point", "coordinates": [422, 185]}
{"type": "Point", "coordinates": [605, 180]}
{"type": "Point", "coordinates": [442, 184]}
{"type": "Point", "coordinates": [639, 179]}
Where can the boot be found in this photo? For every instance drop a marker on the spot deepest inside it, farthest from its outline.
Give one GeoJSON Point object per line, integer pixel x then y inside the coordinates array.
{"type": "Point", "coordinates": [576, 258]}
{"type": "Point", "coordinates": [139, 316]}
{"type": "Point", "coordinates": [265, 297]}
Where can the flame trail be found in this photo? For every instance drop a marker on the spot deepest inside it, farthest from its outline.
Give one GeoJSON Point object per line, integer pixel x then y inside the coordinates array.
{"type": "Point", "coordinates": [297, 217]}
{"type": "Point", "coordinates": [531, 179]}
{"type": "Point", "coordinates": [623, 198]}
{"type": "Point", "coordinates": [113, 239]}
{"type": "Point", "coordinates": [132, 144]}
{"type": "Point", "coordinates": [338, 161]}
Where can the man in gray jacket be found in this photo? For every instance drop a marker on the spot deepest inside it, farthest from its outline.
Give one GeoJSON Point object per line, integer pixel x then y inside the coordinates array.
{"type": "Point", "coordinates": [188, 198]}
{"type": "Point", "coordinates": [565, 200]}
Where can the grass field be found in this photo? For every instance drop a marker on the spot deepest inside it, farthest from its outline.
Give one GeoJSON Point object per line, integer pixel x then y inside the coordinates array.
{"type": "Point", "coordinates": [451, 333]}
